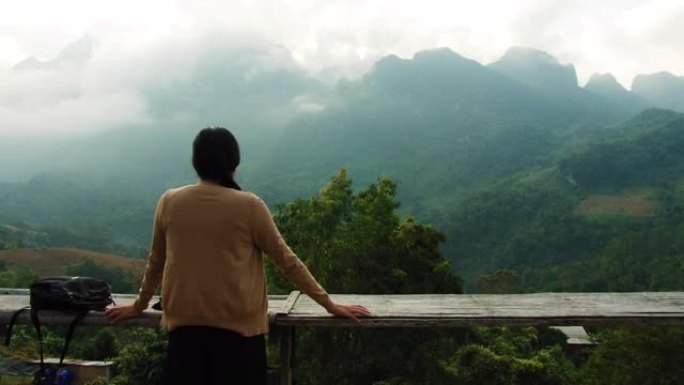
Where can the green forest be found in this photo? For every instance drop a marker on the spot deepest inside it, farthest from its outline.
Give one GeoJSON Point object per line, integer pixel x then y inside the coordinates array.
{"type": "Point", "coordinates": [351, 225]}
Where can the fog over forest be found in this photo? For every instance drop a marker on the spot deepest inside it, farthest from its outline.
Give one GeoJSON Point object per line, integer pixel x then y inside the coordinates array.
{"type": "Point", "coordinates": [440, 124]}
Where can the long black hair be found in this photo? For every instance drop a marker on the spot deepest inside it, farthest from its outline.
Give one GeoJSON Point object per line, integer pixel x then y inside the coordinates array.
{"type": "Point", "coordinates": [216, 155]}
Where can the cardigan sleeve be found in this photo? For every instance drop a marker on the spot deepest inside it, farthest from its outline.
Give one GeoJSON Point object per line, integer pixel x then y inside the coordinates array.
{"type": "Point", "coordinates": [268, 239]}
{"type": "Point", "coordinates": [155, 262]}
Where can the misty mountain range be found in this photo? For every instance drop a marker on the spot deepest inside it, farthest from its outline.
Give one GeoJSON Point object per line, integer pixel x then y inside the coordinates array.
{"type": "Point", "coordinates": [259, 92]}
{"type": "Point", "coordinates": [439, 123]}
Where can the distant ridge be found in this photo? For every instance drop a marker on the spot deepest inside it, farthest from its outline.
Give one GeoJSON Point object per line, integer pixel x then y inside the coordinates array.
{"type": "Point", "coordinates": [536, 69]}
{"type": "Point", "coordinates": [54, 261]}
{"type": "Point", "coordinates": [662, 89]}
{"type": "Point", "coordinates": [607, 86]}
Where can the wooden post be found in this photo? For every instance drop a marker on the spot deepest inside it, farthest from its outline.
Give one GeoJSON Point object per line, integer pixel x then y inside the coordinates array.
{"type": "Point", "coordinates": [286, 353]}
{"type": "Point", "coordinates": [287, 336]}
{"type": "Point", "coordinates": [282, 338]}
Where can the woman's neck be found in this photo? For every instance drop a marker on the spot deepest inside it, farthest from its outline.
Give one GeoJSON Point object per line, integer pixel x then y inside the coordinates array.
{"type": "Point", "coordinates": [207, 182]}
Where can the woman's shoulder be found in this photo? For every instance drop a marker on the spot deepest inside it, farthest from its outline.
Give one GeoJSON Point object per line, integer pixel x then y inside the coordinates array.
{"type": "Point", "coordinates": [246, 197]}
{"type": "Point", "coordinates": [253, 201]}
{"type": "Point", "coordinates": [175, 190]}
{"type": "Point", "coordinates": [249, 196]}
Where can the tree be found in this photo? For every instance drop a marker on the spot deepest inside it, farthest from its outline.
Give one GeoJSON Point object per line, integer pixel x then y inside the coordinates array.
{"type": "Point", "coordinates": [141, 362]}
{"type": "Point", "coordinates": [502, 281]}
{"type": "Point", "coordinates": [356, 243]}
{"type": "Point", "coordinates": [646, 355]}
{"type": "Point", "coordinates": [19, 276]}
{"type": "Point", "coordinates": [506, 356]}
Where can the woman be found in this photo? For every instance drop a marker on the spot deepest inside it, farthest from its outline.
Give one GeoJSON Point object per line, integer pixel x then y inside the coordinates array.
{"type": "Point", "coordinates": [207, 254]}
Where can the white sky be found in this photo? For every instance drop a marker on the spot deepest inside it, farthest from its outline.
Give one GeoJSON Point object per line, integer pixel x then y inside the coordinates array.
{"type": "Point", "coordinates": [623, 37]}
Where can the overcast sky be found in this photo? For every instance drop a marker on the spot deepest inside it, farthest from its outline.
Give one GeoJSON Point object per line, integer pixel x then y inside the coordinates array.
{"type": "Point", "coordinates": [623, 37]}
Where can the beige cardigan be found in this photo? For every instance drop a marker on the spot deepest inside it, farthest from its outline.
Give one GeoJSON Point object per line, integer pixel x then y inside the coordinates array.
{"type": "Point", "coordinates": [207, 254]}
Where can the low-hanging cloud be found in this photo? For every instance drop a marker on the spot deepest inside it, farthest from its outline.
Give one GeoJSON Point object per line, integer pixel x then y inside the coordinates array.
{"type": "Point", "coordinates": [626, 37]}
{"type": "Point", "coordinates": [60, 97]}
{"type": "Point", "coordinates": [113, 85]}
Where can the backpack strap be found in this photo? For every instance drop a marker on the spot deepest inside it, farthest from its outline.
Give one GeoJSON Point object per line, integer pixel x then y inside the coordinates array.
{"type": "Point", "coordinates": [13, 320]}
{"type": "Point", "coordinates": [67, 340]}
{"type": "Point", "coordinates": [36, 325]}
{"type": "Point", "coordinates": [70, 333]}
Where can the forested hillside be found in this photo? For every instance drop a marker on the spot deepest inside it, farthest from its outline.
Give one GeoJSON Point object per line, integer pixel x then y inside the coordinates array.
{"type": "Point", "coordinates": [603, 213]}
{"type": "Point", "coordinates": [532, 174]}
{"type": "Point", "coordinates": [439, 124]}
{"type": "Point", "coordinates": [607, 216]}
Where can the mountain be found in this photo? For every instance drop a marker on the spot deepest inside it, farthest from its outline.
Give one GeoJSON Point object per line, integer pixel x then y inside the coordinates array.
{"type": "Point", "coordinates": [46, 262]}
{"type": "Point", "coordinates": [536, 69]}
{"type": "Point", "coordinates": [576, 220]}
{"type": "Point", "coordinates": [607, 86]}
{"type": "Point", "coordinates": [546, 76]}
{"type": "Point", "coordinates": [439, 120]}
{"type": "Point", "coordinates": [661, 89]}
{"type": "Point", "coordinates": [440, 123]}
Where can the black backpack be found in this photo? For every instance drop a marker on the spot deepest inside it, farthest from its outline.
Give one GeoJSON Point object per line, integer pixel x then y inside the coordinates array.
{"type": "Point", "coordinates": [70, 294]}
{"type": "Point", "coordinates": [76, 295]}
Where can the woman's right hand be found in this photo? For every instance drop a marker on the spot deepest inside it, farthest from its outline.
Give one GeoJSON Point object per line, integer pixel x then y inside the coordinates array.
{"type": "Point", "coordinates": [121, 312]}
{"type": "Point", "coordinates": [348, 311]}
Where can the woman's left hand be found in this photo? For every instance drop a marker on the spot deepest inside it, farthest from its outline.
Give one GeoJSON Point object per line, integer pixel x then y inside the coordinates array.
{"type": "Point", "coordinates": [121, 312]}
{"type": "Point", "coordinates": [353, 312]}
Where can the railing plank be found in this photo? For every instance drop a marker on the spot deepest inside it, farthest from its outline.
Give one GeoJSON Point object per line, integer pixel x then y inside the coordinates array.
{"type": "Point", "coordinates": [12, 300]}
{"type": "Point", "coordinates": [446, 310]}
{"type": "Point", "coordinates": [425, 310]}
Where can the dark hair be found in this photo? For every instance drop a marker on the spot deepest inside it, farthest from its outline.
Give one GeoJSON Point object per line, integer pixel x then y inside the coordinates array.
{"type": "Point", "coordinates": [215, 155]}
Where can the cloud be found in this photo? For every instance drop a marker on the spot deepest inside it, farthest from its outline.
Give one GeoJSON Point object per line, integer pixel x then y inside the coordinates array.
{"type": "Point", "coordinates": [60, 97]}
{"type": "Point", "coordinates": [144, 47]}
{"type": "Point", "coordinates": [71, 116]}
{"type": "Point", "coordinates": [623, 37]}
{"type": "Point", "coordinates": [116, 84]}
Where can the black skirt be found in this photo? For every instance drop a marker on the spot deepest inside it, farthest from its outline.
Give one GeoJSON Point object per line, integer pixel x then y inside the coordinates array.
{"type": "Point", "coordinates": [199, 355]}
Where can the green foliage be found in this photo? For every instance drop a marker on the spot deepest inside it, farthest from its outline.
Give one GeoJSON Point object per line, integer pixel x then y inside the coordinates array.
{"type": "Point", "coordinates": [69, 213]}
{"type": "Point", "coordinates": [508, 205]}
{"type": "Point", "coordinates": [649, 157]}
{"type": "Point", "coordinates": [502, 281]}
{"type": "Point", "coordinates": [506, 356]}
{"type": "Point", "coordinates": [368, 356]}
{"type": "Point", "coordinates": [520, 223]}
{"type": "Point", "coordinates": [25, 341]}
{"type": "Point", "coordinates": [141, 361]}
{"type": "Point", "coordinates": [89, 236]}
{"type": "Point", "coordinates": [12, 237]}
{"type": "Point", "coordinates": [100, 344]}
{"type": "Point", "coordinates": [530, 222]}
{"type": "Point", "coordinates": [355, 243]}
{"type": "Point", "coordinates": [475, 364]}
{"type": "Point", "coordinates": [647, 355]}
{"type": "Point", "coordinates": [339, 233]}
{"type": "Point", "coordinates": [98, 381]}
{"type": "Point", "coordinates": [19, 276]}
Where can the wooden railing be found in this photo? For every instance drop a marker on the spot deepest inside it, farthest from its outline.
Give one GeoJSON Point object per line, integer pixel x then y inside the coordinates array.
{"type": "Point", "coordinates": [286, 312]}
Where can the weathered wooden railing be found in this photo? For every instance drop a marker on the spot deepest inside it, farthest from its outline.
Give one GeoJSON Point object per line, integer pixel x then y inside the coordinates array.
{"type": "Point", "coordinates": [286, 312]}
